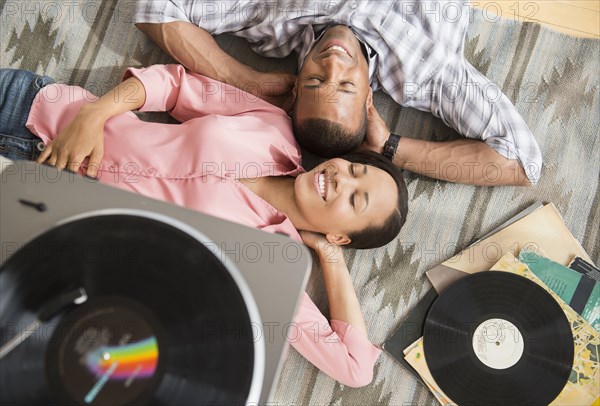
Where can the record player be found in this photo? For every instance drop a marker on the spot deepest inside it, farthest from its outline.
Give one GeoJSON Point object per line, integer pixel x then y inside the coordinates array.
{"type": "Point", "coordinates": [108, 297]}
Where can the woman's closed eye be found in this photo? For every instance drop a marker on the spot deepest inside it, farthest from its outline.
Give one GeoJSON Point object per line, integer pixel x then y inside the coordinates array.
{"type": "Point", "coordinates": [354, 203]}
{"type": "Point", "coordinates": [355, 171]}
{"type": "Point", "coordinates": [353, 195]}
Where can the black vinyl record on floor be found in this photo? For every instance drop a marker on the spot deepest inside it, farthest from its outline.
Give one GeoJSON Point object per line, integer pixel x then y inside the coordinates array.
{"type": "Point", "coordinates": [498, 338]}
{"type": "Point", "coordinates": [164, 322]}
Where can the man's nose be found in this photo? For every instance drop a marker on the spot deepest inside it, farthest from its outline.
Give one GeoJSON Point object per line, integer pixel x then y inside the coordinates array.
{"type": "Point", "coordinates": [333, 67]}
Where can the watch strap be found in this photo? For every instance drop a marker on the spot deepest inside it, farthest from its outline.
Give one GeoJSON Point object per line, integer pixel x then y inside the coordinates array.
{"type": "Point", "coordinates": [390, 146]}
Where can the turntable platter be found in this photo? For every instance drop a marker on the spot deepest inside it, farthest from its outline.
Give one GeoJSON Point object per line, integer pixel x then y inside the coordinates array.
{"type": "Point", "coordinates": [165, 322]}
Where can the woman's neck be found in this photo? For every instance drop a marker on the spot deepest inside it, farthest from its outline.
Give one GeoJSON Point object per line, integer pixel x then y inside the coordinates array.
{"type": "Point", "coordinates": [279, 192]}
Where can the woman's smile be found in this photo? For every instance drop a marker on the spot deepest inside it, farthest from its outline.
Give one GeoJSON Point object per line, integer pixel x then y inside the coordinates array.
{"type": "Point", "coordinates": [321, 184]}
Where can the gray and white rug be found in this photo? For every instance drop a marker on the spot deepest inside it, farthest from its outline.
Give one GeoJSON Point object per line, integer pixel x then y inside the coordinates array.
{"type": "Point", "coordinates": [552, 78]}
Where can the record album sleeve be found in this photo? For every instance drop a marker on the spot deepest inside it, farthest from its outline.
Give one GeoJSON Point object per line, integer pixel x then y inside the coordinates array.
{"type": "Point", "coordinates": [409, 331]}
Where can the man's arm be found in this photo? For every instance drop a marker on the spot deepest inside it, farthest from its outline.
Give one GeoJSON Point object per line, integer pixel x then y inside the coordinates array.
{"type": "Point", "coordinates": [498, 149]}
{"type": "Point", "coordinates": [196, 49]}
{"type": "Point", "coordinates": [462, 161]}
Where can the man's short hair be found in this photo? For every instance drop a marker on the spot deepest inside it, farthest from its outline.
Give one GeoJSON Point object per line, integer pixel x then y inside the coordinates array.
{"type": "Point", "coordinates": [327, 138]}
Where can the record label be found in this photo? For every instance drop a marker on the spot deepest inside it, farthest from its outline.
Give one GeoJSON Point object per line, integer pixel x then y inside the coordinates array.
{"type": "Point", "coordinates": [105, 352]}
{"type": "Point", "coordinates": [498, 343]}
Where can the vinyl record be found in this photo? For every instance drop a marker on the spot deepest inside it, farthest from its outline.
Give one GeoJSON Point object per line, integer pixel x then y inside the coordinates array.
{"type": "Point", "coordinates": [164, 321]}
{"type": "Point", "coordinates": [498, 338]}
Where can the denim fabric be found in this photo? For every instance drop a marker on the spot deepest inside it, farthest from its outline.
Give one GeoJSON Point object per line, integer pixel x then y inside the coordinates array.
{"type": "Point", "coordinates": [18, 89]}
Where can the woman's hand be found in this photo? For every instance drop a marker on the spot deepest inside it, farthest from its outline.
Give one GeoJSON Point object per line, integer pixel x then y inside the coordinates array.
{"type": "Point", "coordinates": [328, 252]}
{"type": "Point", "coordinates": [82, 138]}
{"type": "Point", "coordinates": [343, 303]}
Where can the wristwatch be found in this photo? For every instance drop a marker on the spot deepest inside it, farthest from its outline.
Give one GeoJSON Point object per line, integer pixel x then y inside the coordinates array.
{"type": "Point", "coordinates": [390, 146]}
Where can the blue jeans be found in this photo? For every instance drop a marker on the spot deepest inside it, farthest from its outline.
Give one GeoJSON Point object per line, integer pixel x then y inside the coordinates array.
{"type": "Point", "coordinates": [18, 89]}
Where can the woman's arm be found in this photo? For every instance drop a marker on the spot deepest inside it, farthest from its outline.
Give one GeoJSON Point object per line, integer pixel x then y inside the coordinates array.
{"type": "Point", "coordinates": [84, 136]}
{"type": "Point", "coordinates": [339, 347]}
{"type": "Point", "coordinates": [343, 303]}
{"type": "Point", "coordinates": [185, 95]}
{"type": "Point", "coordinates": [188, 95]}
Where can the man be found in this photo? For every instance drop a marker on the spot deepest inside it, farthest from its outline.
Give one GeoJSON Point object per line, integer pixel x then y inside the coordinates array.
{"type": "Point", "coordinates": [346, 49]}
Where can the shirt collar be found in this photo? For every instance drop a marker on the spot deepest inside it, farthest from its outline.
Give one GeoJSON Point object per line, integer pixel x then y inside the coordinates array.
{"type": "Point", "coordinates": [368, 52]}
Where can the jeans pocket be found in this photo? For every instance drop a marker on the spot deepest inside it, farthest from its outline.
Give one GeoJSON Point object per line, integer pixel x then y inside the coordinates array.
{"type": "Point", "coordinates": [17, 148]}
{"type": "Point", "coordinates": [41, 81]}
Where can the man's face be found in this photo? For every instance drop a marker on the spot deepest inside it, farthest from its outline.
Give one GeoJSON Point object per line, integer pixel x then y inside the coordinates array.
{"type": "Point", "coordinates": [333, 83]}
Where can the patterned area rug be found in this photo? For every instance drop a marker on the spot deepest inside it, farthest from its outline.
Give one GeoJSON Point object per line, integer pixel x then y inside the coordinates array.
{"type": "Point", "coordinates": [552, 78]}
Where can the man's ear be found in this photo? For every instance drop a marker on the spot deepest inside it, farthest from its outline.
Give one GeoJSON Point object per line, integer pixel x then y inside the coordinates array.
{"type": "Point", "coordinates": [295, 91]}
{"type": "Point", "coordinates": [338, 239]}
{"type": "Point", "coordinates": [369, 98]}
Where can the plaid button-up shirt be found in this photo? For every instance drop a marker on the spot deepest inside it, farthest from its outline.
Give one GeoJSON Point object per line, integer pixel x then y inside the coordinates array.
{"type": "Point", "coordinates": [417, 55]}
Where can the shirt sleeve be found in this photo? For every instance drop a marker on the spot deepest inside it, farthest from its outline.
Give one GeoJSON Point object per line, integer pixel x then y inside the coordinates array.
{"type": "Point", "coordinates": [214, 17]}
{"type": "Point", "coordinates": [187, 95]}
{"type": "Point", "coordinates": [476, 107]}
{"type": "Point", "coordinates": [336, 348]}
{"type": "Point", "coordinates": [158, 11]}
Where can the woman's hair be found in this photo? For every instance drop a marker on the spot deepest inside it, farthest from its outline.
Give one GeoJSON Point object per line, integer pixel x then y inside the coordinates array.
{"type": "Point", "coordinates": [377, 236]}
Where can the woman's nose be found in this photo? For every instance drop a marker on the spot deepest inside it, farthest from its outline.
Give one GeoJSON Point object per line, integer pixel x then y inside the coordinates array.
{"type": "Point", "coordinates": [345, 181]}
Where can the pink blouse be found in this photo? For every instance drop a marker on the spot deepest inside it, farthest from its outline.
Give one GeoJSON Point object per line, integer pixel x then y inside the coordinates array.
{"type": "Point", "coordinates": [225, 134]}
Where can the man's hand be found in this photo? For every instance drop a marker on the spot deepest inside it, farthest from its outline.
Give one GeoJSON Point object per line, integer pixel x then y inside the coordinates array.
{"type": "Point", "coordinates": [273, 87]}
{"type": "Point", "coordinates": [377, 132]}
{"type": "Point", "coordinates": [82, 138]}
{"type": "Point", "coordinates": [197, 50]}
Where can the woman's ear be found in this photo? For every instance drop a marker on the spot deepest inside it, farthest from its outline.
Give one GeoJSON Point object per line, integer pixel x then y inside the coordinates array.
{"type": "Point", "coordinates": [338, 239]}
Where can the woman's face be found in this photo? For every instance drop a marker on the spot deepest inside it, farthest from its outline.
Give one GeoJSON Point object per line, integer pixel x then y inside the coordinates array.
{"type": "Point", "coordinates": [339, 197]}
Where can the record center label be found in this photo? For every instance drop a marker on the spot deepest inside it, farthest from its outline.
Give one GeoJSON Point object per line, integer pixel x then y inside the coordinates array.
{"type": "Point", "coordinates": [106, 352]}
{"type": "Point", "coordinates": [498, 343]}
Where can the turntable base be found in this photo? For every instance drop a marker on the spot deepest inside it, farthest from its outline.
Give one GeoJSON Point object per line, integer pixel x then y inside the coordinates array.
{"type": "Point", "coordinates": [35, 199]}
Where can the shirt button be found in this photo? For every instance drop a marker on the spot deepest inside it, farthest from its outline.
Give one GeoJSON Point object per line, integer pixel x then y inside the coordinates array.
{"type": "Point", "coordinates": [40, 146]}
{"type": "Point", "coordinates": [151, 171]}
{"type": "Point", "coordinates": [353, 4]}
{"type": "Point", "coordinates": [410, 32]}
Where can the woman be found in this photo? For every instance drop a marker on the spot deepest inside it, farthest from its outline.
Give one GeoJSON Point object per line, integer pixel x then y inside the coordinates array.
{"type": "Point", "coordinates": [234, 156]}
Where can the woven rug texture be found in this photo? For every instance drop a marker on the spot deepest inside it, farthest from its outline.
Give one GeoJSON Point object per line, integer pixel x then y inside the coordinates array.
{"type": "Point", "coordinates": [552, 78]}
